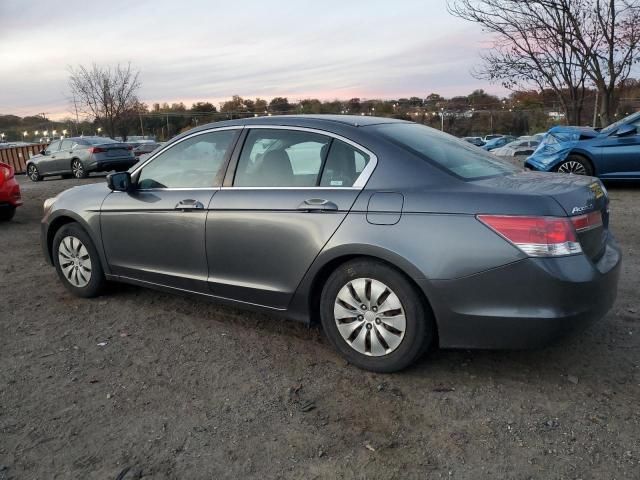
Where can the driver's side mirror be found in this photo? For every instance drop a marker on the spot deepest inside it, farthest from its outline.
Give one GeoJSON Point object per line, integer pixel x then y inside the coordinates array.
{"type": "Point", "coordinates": [119, 181]}
{"type": "Point", "coordinates": [42, 152]}
{"type": "Point", "coordinates": [626, 130]}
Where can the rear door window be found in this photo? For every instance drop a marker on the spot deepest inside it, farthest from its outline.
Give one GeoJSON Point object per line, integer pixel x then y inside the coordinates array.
{"type": "Point", "coordinates": [281, 158]}
{"type": "Point", "coordinates": [343, 166]}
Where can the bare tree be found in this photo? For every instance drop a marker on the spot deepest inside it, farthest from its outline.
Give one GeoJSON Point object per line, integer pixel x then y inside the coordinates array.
{"type": "Point", "coordinates": [531, 47]}
{"type": "Point", "coordinates": [107, 94]}
{"type": "Point", "coordinates": [607, 36]}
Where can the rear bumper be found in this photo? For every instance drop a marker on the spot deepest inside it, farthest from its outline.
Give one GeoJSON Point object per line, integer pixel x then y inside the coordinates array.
{"type": "Point", "coordinates": [526, 304]}
{"type": "Point", "coordinates": [10, 194]}
{"type": "Point", "coordinates": [112, 164]}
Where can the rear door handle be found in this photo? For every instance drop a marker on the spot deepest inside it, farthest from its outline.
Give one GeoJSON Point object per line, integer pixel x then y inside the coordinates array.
{"type": "Point", "coordinates": [189, 204]}
{"type": "Point", "coordinates": [318, 205]}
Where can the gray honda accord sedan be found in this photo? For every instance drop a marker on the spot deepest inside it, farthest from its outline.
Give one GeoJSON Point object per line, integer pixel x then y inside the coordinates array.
{"type": "Point", "coordinates": [396, 237]}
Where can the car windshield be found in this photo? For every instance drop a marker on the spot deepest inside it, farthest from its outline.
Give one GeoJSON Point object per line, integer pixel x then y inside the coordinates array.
{"type": "Point", "coordinates": [447, 152]}
{"type": "Point", "coordinates": [614, 126]}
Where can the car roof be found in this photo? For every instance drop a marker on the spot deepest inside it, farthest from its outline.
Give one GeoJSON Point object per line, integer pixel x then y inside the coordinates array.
{"type": "Point", "coordinates": [307, 121]}
{"type": "Point", "coordinates": [569, 129]}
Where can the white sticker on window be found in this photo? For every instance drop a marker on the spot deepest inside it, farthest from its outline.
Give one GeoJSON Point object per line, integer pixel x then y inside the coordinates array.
{"type": "Point", "coordinates": [336, 183]}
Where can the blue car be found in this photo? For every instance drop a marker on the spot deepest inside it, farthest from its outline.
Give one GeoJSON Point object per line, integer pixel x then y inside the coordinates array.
{"type": "Point", "coordinates": [611, 153]}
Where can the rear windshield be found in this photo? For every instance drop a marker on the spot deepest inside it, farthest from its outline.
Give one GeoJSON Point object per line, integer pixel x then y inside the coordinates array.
{"type": "Point", "coordinates": [97, 140]}
{"type": "Point", "coordinates": [456, 156]}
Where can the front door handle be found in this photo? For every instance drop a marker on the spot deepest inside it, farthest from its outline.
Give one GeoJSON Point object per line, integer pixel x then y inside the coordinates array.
{"type": "Point", "coordinates": [318, 205]}
{"type": "Point", "coordinates": [189, 204]}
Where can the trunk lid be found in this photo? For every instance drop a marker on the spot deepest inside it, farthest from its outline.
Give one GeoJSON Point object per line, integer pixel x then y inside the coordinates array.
{"type": "Point", "coordinates": [116, 149]}
{"type": "Point", "coordinates": [577, 195]}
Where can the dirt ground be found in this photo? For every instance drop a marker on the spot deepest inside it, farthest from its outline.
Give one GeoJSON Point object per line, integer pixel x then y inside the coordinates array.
{"type": "Point", "coordinates": [175, 388]}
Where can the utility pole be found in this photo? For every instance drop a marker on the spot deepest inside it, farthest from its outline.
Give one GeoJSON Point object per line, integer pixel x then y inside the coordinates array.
{"type": "Point", "coordinates": [595, 108]}
{"type": "Point", "coordinates": [141, 126]}
{"type": "Point", "coordinates": [75, 105]}
{"type": "Point", "coordinates": [167, 126]}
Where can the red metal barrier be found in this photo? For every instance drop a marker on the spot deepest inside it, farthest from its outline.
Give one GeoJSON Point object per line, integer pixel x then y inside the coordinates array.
{"type": "Point", "coordinates": [17, 156]}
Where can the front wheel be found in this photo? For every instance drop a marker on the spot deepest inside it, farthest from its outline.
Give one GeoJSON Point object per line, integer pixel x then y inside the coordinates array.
{"type": "Point", "coordinates": [576, 165]}
{"type": "Point", "coordinates": [374, 316]}
{"type": "Point", "coordinates": [78, 170]}
{"type": "Point", "coordinates": [77, 261]}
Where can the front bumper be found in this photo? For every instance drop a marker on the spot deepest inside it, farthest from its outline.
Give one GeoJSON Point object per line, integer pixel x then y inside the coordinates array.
{"type": "Point", "coordinates": [526, 304]}
{"type": "Point", "coordinates": [546, 162]}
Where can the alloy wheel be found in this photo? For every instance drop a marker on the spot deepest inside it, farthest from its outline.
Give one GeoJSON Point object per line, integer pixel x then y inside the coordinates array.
{"type": "Point", "coordinates": [33, 173]}
{"type": "Point", "coordinates": [370, 317]}
{"type": "Point", "coordinates": [571, 166]}
{"type": "Point", "coordinates": [75, 261]}
{"type": "Point", "coordinates": [77, 168]}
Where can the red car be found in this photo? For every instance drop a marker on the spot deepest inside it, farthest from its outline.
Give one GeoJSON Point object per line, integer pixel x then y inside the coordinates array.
{"type": "Point", "coordinates": [10, 197]}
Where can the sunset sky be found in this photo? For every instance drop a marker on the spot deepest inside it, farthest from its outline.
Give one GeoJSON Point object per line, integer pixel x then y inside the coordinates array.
{"type": "Point", "coordinates": [195, 50]}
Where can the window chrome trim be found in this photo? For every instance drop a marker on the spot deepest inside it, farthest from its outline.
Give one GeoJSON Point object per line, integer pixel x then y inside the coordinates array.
{"type": "Point", "coordinates": [312, 187]}
{"type": "Point", "coordinates": [360, 182]}
{"type": "Point", "coordinates": [171, 145]}
{"type": "Point", "coordinates": [171, 189]}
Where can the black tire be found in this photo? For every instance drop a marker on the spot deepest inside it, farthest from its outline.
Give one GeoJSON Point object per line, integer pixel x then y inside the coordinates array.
{"type": "Point", "coordinates": [77, 169]}
{"type": "Point", "coordinates": [33, 173]}
{"type": "Point", "coordinates": [419, 328]}
{"type": "Point", "coordinates": [576, 165]}
{"type": "Point", "coordinates": [7, 213]}
{"type": "Point", "coordinates": [96, 281]}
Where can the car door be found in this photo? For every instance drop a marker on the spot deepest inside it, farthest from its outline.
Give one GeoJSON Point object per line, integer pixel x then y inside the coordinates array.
{"type": "Point", "coordinates": [155, 233]}
{"type": "Point", "coordinates": [620, 156]}
{"type": "Point", "coordinates": [47, 163]}
{"type": "Point", "coordinates": [63, 157]}
{"type": "Point", "coordinates": [285, 194]}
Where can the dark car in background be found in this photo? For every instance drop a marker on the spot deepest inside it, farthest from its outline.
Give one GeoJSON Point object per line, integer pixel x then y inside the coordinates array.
{"type": "Point", "coordinates": [78, 156]}
{"type": "Point", "coordinates": [144, 148]}
{"type": "Point", "coordinates": [612, 153]}
{"type": "Point", "coordinates": [393, 235]}
{"type": "Point", "coordinates": [10, 198]}
{"type": "Point", "coordinates": [477, 141]}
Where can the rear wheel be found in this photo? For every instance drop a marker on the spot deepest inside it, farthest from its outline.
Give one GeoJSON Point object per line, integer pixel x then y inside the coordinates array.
{"type": "Point", "coordinates": [576, 165]}
{"type": "Point", "coordinates": [77, 168]}
{"type": "Point", "coordinates": [7, 213]}
{"type": "Point", "coordinates": [77, 261]}
{"type": "Point", "coordinates": [33, 173]}
{"type": "Point", "coordinates": [375, 317]}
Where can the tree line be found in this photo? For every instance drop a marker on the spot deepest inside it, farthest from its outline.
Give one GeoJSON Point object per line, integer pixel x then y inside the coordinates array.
{"type": "Point", "coordinates": [476, 114]}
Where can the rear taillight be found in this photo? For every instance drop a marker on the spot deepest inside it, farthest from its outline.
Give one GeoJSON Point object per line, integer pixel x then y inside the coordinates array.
{"type": "Point", "coordinates": [97, 150]}
{"type": "Point", "coordinates": [129, 147]}
{"type": "Point", "coordinates": [536, 236]}
{"type": "Point", "coordinates": [6, 173]}
{"type": "Point", "coordinates": [588, 221]}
